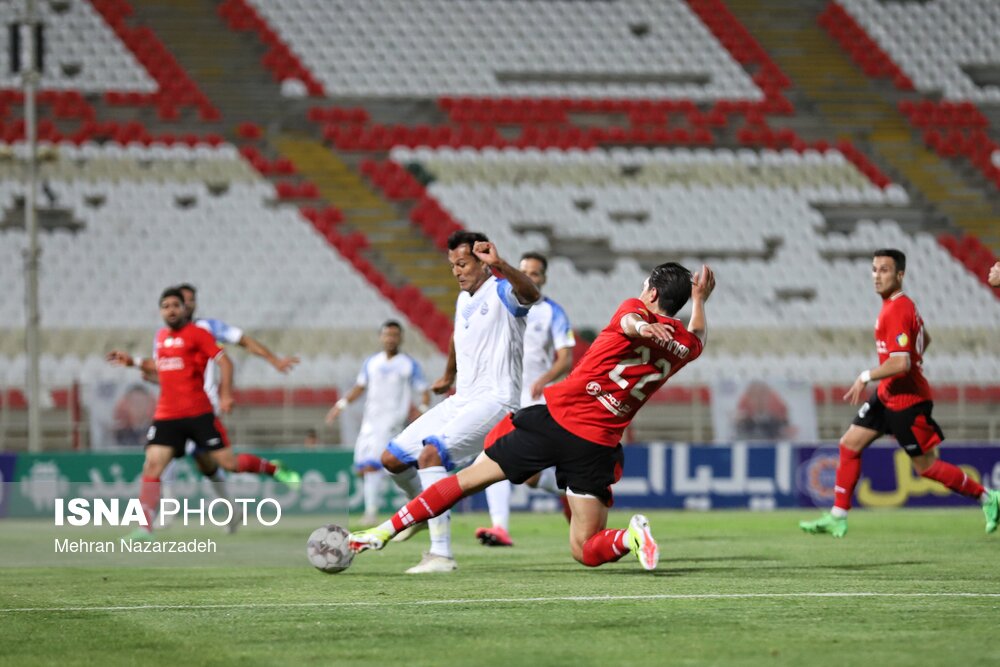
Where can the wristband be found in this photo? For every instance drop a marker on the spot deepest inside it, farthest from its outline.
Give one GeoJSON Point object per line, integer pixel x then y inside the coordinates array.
{"type": "Point", "coordinates": [866, 376]}
{"type": "Point", "coordinates": [341, 404]}
{"type": "Point", "coordinates": [639, 327]}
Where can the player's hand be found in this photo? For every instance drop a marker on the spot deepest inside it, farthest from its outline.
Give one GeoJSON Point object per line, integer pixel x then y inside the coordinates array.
{"type": "Point", "coordinates": [702, 283]}
{"type": "Point", "coordinates": [658, 332]}
{"type": "Point", "coordinates": [486, 253]}
{"type": "Point", "coordinates": [856, 394]}
{"type": "Point", "coordinates": [119, 358]}
{"type": "Point", "coordinates": [994, 277]}
{"type": "Point", "coordinates": [442, 385]}
{"type": "Point", "coordinates": [332, 415]}
{"type": "Point", "coordinates": [536, 389]}
{"type": "Point", "coordinates": [285, 364]}
{"type": "Point", "coordinates": [226, 403]}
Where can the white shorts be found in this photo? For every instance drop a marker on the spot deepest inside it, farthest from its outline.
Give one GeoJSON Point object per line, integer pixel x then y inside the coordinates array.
{"type": "Point", "coordinates": [371, 442]}
{"type": "Point", "coordinates": [456, 427]}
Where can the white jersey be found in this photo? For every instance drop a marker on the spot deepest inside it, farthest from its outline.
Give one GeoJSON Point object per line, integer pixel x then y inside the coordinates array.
{"type": "Point", "coordinates": [489, 343]}
{"type": "Point", "coordinates": [389, 385]}
{"type": "Point", "coordinates": [548, 330]}
{"type": "Point", "coordinates": [223, 334]}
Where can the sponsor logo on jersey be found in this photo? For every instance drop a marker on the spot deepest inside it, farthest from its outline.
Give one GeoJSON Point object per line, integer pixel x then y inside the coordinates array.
{"type": "Point", "coordinates": [170, 364]}
{"type": "Point", "coordinates": [593, 388]}
{"type": "Point", "coordinates": [902, 339]}
{"type": "Point", "coordinates": [485, 308]}
{"type": "Point", "coordinates": [172, 341]}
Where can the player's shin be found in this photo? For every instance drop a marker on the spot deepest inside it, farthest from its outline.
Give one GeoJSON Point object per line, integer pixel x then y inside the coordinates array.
{"type": "Point", "coordinates": [605, 546]}
{"type": "Point", "coordinates": [440, 524]}
{"type": "Point", "coordinates": [952, 476]}
{"type": "Point", "coordinates": [407, 481]}
{"type": "Point", "coordinates": [438, 498]}
{"type": "Point", "coordinates": [251, 463]}
{"type": "Point", "coordinates": [149, 498]}
{"type": "Point", "coordinates": [848, 473]}
{"type": "Point", "coordinates": [498, 499]}
{"type": "Point", "coordinates": [372, 486]}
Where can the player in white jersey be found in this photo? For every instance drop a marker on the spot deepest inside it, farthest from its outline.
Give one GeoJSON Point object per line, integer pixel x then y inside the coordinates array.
{"type": "Point", "coordinates": [548, 356]}
{"type": "Point", "coordinates": [390, 378]}
{"type": "Point", "coordinates": [484, 364]}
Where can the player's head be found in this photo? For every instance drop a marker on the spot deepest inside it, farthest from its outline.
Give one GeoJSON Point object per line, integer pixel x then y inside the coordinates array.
{"type": "Point", "coordinates": [535, 265]}
{"type": "Point", "coordinates": [190, 297]}
{"type": "Point", "coordinates": [888, 267]}
{"type": "Point", "coordinates": [172, 308]}
{"type": "Point", "coordinates": [390, 334]}
{"type": "Point", "coordinates": [668, 287]}
{"type": "Point", "coordinates": [465, 266]}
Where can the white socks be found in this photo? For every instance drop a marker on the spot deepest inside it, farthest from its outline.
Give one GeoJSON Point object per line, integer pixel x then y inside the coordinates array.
{"type": "Point", "coordinates": [838, 512]}
{"type": "Point", "coordinates": [371, 484]}
{"type": "Point", "coordinates": [498, 499]}
{"type": "Point", "coordinates": [407, 481]}
{"type": "Point", "coordinates": [440, 526]}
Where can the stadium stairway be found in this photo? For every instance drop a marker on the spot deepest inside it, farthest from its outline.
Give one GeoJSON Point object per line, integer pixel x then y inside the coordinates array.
{"type": "Point", "coordinates": [853, 108]}
{"type": "Point", "coordinates": [216, 58]}
{"type": "Point", "coordinates": [397, 248]}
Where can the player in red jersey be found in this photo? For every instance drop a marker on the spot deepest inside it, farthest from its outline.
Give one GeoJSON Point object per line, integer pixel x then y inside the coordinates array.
{"type": "Point", "coordinates": [579, 427]}
{"type": "Point", "coordinates": [184, 412]}
{"type": "Point", "coordinates": [901, 405]}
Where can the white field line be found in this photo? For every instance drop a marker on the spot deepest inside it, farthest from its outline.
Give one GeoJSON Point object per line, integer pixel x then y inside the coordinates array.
{"type": "Point", "coordinates": [491, 601]}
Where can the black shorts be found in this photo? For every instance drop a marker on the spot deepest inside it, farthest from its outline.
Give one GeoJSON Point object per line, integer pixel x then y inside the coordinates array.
{"type": "Point", "coordinates": [537, 441]}
{"type": "Point", "coordinates": [914, 428]}
{"type": "Point", "coordinates": [174, 433]}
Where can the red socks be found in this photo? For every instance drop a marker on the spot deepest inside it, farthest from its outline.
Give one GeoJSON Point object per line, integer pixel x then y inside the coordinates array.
{"type": "Point", "coordinates": [149, 498]}
{"type": "Point", "coordinates": [438, 498]}
{"type": "Point", "coordinates": [251, 463]}
{"type": "Point", "coordinates": [848, 472]}
{"type": "Point", "coordinates": [606, 546]}
{"type": "Point", "coordinates": [952, 476]}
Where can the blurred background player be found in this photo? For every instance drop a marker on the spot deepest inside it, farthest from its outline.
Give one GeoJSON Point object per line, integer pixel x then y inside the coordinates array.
{"type": "Point", "coordinates": [901, 405]}
{"type": "Point", "coordinates": [548, 355]}
{"type": "Point", "coordinates": [994, 277]}
{"type": "Point", "coordinates": [390, 378]}
{"type": "Point", "coordinates": [579, 428]}
{"type": "Point", "coordinates": [484, 364]}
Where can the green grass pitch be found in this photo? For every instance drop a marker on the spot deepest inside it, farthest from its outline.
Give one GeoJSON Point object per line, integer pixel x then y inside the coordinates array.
{"type": "Point", "coordinates": [907, 588]}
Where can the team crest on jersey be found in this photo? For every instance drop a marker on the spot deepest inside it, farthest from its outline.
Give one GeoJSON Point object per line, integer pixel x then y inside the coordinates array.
{"type": "Point", "coordinates": [173, 342]}
{"type": "Point", "coordinates": [484, 309]}
{"type": "Point", "coordinates": [902, 339]}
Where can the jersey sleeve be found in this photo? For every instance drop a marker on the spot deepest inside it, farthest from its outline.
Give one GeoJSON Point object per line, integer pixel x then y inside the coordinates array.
{"type": "Point", "coordinates": [509, 299]}
{"type": "Point", "coordinates": [900, 329]}
{"type": "Point", "coordinates": [221, 331]}
{"type": "Point", "coordinates": [207, 344]}
{"type": "Point", "coordinates": [417, 380]}
{"type": "Point", "coordinates": [362, 379]}
{"type": "Point", "coordinates": [627, 307]}
{"type": "Point", "coordinates": [562, 333]}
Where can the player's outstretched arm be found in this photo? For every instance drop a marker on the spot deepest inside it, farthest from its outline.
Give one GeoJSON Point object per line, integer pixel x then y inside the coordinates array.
{"type": "Point", "coordinates": [994, 277]}
{"type": "Point", "coordinates": [897, 364]}
{"type": "Point", "coordinates": [254, 346]}
{"type": "Point", "coordinates": [226, 400]}
{"type": "Point", "coordinates": [524, 289]}
{"type": "Point", "coordinates": [146, 365]}
{"type": "Point", "coordinates": [343, 402]}
{"type": "Point", "coordinates": [702, 285]}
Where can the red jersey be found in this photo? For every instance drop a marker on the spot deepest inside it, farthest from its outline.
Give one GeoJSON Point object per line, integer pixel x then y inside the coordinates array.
{"type": "Point", "coordinates": [180, 358]}
{"type": "Point", "coordinates": [616, 376]}
{"type": "Point", "coordinates": [899, 330]}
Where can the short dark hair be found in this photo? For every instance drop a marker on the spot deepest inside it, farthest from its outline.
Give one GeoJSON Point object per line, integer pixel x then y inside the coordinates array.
{"type": "Point", "coordinates": [897, 256]}
{"type": "Point", "coordinates": [673, 286]}
{"type": "Point", "coordinates": [391, 323]}
{"type": "Point", "coordinates": [465, 237]}
{"type": "Point", "coordinates": [172, 291]}
{"type": "Point", "coordinates": [538, 257]}
{"type": "Point", "coordinates": [188, 287]}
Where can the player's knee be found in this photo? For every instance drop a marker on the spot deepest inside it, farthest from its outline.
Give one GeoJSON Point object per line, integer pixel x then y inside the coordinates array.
{"type": "Point", "coordinates": [576, 549]}
{"type": "Point", "coordinates": [391, 463]}
{"type": "Point", "coordinates": [153, 468]}
{"type": "Point", "coordinates": [429, 457]}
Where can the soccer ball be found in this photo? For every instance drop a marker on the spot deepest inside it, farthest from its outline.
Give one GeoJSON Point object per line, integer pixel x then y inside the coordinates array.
{"type": "Point", "coordinates": [328, 550]}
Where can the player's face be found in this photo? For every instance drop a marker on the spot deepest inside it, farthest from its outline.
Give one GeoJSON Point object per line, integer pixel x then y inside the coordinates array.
{"type": "Point", "coordinates": [190, 301]}
{"type": "Point", "coordinates": [390, 338]}
{"type": "Point", "coordinates": [885, 276]}
{"type": "Point", "coordinates": [467, 269]}
{"type": "Point", "coordinates": [173, 312]}
{"type": "Point", "coordinates": [534, 270]}
{"type": "Point", "coordinates": [648, 295]}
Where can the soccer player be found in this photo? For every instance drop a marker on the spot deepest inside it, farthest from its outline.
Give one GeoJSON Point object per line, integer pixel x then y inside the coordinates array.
{"type": "Point", "coordinates": [994, 276]}
{"type": "Point", "coordinates": [548, 355]}
{"type": "Point", "coordinates": [484, 364]}
{"type": "Point", "coordinates": [900, 406]}
{"type": "Point", "coordinates": [389, 377]}
{"type": "Point", "coordinates": [579, 427]}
